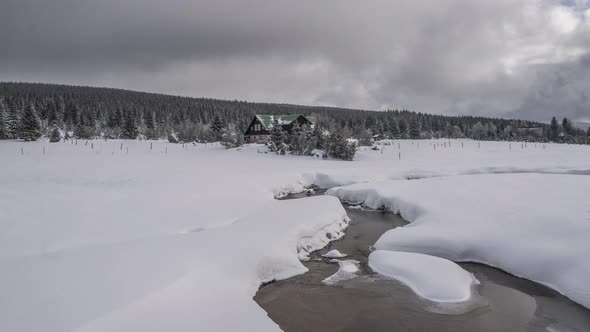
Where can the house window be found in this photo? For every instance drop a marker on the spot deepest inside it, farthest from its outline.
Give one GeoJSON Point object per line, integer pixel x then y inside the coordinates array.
{"type": "Point", "coordinates": [257, 127]}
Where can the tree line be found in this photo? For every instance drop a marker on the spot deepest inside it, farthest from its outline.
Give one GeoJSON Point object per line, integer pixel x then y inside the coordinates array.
{"type": "Point", "coordinates": [32, 110]}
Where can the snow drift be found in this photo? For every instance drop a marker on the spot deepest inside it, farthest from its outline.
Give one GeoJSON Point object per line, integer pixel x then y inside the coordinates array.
{"type": "Point", "coordinates": [534, 226]}
{"type": "Point", "coordinates": [433, 278]}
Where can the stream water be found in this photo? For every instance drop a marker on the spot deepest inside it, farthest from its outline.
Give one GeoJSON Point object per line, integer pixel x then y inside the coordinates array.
{"type": "Point", "coordinates": [368, 302]}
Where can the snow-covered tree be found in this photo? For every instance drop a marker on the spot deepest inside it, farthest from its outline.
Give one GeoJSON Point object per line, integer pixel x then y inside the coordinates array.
{"type": "Point", "coordinates": [54, 135]}
{"type": "Point", "coordinates": [52, 115]}
{"type": "Point", "coordinates": [2, 120]}
{"type": "Point", "coordinates": [173, 138]}
{"type": "Point", "coordinates": [478, 131]}
{"type": "Point", "coordinates": [150, 126]}
{"type": "Point", "coordinates": [217, 127]}
{"type": "Point", "coordinates": [457, 132]}
{"type": "Point", "coordinates": [567, 126]}
{"type": "Point", "coordinates": [297, 140]}
{"type": "Point", "coordinates": [339, 147]}
{"type": "Point", "coordinates": [85, 126]}
{"type": "Point", "coordinates": [231, 137]}
{"type": "Point", "coordinates": [365, 138]}
{"type": "Point", "coordinates": [414, 129]}
{"type": "Point", "coordinates": [130, 130]}
{"type": "Point", "coordinates": [554, 129]}
{"type": "Point", "coordinates": [30, 125]}
{"type": "Point", "coordinates": [403, 128]}
{"type": "Point", "coordinates": [278, 139]}
{"type": "Point", "coordinates": [507, 132]}
{"type": "Point", "coordinates": [394, 128]}
{"type": "Point", "coordinates": [492, 130]}
{"type": "Point", "coordinates": [12, 121]}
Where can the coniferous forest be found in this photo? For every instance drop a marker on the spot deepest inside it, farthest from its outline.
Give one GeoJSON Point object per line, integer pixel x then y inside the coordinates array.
{"type": "Point", "coordinates": [29, 111]}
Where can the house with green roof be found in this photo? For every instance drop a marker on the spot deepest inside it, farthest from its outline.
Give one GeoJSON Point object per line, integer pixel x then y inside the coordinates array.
{"type": "Point", "coordinates": [262, 124]}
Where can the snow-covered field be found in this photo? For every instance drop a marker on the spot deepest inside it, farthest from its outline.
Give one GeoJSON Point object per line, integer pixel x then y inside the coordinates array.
{"type": "Point", "coordinates": [118, 236]}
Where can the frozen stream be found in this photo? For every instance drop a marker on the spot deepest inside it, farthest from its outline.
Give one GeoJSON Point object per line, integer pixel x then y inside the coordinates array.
{"type": "Point", "coordinates": [368, 302]}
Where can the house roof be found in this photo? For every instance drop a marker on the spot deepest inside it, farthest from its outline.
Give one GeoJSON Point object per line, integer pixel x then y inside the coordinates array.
{"type": "Point", "coordinates": [268, 120]}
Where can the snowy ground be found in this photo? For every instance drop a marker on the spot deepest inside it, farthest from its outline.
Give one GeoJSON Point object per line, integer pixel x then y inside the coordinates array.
{"type": "Point", "coordinates": [533, 225]}
{"type": "Point", "coordinates": [115, 236]}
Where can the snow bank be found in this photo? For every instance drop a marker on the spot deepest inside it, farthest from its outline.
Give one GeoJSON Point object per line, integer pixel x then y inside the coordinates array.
{"type": "Point", "coordinates": [223, 281]}
{"type": "Point", "coordinates": [433, 278]}
{"type": "Point", "coordinates": [185, 281]}
{"type": "Point", "coordinates": [534, 226]}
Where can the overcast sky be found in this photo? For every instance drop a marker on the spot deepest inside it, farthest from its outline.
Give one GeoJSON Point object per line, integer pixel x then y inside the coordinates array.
{"type": "Point", "coordinates": [520, 58]}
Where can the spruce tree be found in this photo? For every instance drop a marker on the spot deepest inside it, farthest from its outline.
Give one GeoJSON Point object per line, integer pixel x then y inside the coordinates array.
{"type": "Point", "coordinates": [130, 130]}
{"type": "Point", "coordinates": [71, 113]}
{"type": "Point", "coordinates": [403, 128]}
{"type": "Point", "coordinates": [85, 129]}
{"type": "Point", "coordinates": [150, 126]}
{"type": "Point", "coordinates": [54, 136]}
{"type": "Point", "coordinates": [395, 132]}
{"type": "Point", "coordinates": [216, 128]}
{"type": "Point", "coordinates": [338, 146]}
{"type": "Point", "coordinates": [2, 120]}
{"type": "Point", "coordinates": [115, 118]}
{"type": "Point", "coordinates": [3, 130]}
{"type": "Point", "coordinates": [414, 129]}
{"type": "Point", "coordinates": [298, 139]}
{"type": "Point", "coordinates": [30, 125]}
{"type": "Point", "coordinates": [478, 131]}
{"type": "Point", "coordinates": [52, 117]}
{"type": "Point", "coordinates": [278, 139]}
{"type": "Point", "coordinates": [232, 137]}
{"type": "Point", "coordinates": [317, 137]}
{"type": "Point", "coordinates": [554, 129]}
{"type": "Point", "coordinates": [12, 121]}
{"type": "Point", "coordinates": [365, 138]}
{"type": "Point", "coordinates": [59, 110]}
{"type": "Point", "coordinates": [567, 126]}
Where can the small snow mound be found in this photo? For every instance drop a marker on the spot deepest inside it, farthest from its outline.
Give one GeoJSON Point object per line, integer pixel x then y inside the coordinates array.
{"type": "Point", "coordinates": [317, 153]}
{"type": "Point", "coordinates": [334, 254]}
{"type": "Point", "coordinates": [348, 270]}
{"type": "Point", "coordinates": [431, 277]}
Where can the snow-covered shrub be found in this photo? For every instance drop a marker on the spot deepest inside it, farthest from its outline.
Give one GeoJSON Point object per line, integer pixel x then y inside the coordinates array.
{"type": "Point", "coordinates": [231, 137]}
{"type": "Point", "coordinates": [172, 138]}
{"type": "Point", "coordinates": [55, 135]}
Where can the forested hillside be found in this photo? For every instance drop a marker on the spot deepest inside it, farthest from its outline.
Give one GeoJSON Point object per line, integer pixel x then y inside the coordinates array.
{"type": "Point", "coordinates": [88, 112]}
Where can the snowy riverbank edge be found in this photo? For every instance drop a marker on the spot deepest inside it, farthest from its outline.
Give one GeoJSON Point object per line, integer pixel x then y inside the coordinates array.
{"type": "Point", "coordinates": [210, 274]}
{"type": "Point", "coordinates": [534, 226]}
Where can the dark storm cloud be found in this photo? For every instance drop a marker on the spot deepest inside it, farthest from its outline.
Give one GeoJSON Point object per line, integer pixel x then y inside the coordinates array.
{"type": "Point", "coordinates": [559, 89]}
{"type": "Point", "coordinates": [450, 56]}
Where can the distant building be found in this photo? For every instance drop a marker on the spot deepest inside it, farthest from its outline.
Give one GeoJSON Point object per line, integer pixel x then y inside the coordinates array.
{"type": "Point", "coordinates": [262, 124]}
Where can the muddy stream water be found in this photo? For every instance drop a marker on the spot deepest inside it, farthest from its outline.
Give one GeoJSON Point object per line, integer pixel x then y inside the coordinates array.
{"type": "Point", "coordinates": [369, 302]}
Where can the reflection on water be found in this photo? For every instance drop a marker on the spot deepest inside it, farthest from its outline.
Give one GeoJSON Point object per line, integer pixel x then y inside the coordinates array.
{"type": "Point", "coordinates": [369, 302]}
